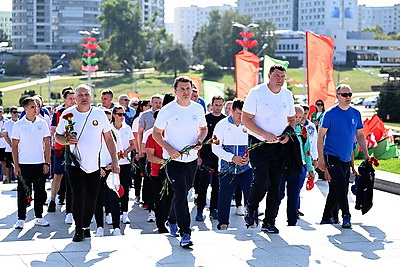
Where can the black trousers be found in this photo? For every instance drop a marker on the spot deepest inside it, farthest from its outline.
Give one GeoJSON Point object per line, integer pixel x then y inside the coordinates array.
{"type": "Point", "coordinates": [125, 177]}
{"type": "Point", "coordinates": [32, 175]}
{"type": "Point", "coordinates": [266, 161]}
{"type": "Point", "coordinates": [204, 181]}
{"type": "Point", "coordinates": [181, 176]}
{"type": "Point", "coordinates": [106, 195]}
{"type": "Point", "coordinates": [162, 203]}
{"type": "Point", "coordinates": [84, 189]}
{"type": "Point", "coordinates": [338, 187]}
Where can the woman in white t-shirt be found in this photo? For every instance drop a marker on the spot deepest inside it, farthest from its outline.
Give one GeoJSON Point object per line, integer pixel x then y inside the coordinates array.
{"type": "Point", "coordinates": [107, 198]}
{"type": "Point", "coordinates": [128, 145]}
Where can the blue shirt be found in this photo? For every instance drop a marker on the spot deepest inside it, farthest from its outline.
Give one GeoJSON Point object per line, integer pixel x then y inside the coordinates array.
{"type": "Point", "coordinates": [342, 126]}
{"type": "Point", "coordinates": [129, 114]}
{"type": "Point", "coordinates": [201, 102]}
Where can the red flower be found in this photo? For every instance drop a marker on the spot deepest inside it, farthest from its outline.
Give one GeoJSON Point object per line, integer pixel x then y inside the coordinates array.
{"type": "Point", "coordinates": [308, 153]}
{"type": "Point", "coordinates": [373, 161]}
{"type": "Point", "coordinates": [67, 116]}
{"type": "Point", "coordinates": [310, 184]}
{"type": "Point", "coordinates": [247, 152]}
{"type": "Point", "coordinates": [304, 132]}
{"type": "Point", "coordinates": [29, 199]}
{"type": "Point", "coordinates": [121, 154]}
{"type": "Point", "coordinates": [211, 171]}
{"type": "Point", "coordinates": [217, 143]}
{"type": "Point", "coordinates": [215, 137]}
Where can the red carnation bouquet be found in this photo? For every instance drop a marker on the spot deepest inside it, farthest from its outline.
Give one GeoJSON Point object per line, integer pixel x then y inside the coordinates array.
{"type": "Point", "coordinates": [69, 128]}
{"type": "Point", "coordinates": [121, 155]}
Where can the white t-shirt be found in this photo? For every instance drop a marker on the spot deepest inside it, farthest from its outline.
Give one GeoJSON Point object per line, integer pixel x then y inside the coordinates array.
{"type": "Point", "coordinates": [105, 157]}
{"type": "Point", "coordinates": [135, 124]}
{"type": "Point", "coordinates": [181, 126]}
{"type": "Point", "coordinates": [147, 134]}
{"type": "Point", "coordinates": [30, 136]}
{"type": "Point", "coordinates": [87, 151]}
{"type": "Point", "coordinates": [126, 135]}
{"type": "Point", "coordinates": [8, 128]}
{"type": "Point", "coordinates": [270, 110]}
{"type": "Point", "coordinates": [3, 142]}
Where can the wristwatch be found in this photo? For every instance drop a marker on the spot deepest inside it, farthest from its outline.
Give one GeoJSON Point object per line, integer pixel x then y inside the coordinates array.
{"type": "Point", "coordinates": [48, 164]}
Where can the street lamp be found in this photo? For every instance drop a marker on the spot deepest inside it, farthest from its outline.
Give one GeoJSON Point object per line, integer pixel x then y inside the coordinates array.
{"type": "Point", "coordinates": [130, 68]}
{"type": "Point", "coordinates": [56, 65]}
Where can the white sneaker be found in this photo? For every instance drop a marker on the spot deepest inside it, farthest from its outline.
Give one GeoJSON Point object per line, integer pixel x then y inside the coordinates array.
{"type": "Point", "coordinates": [152, 217]}
{"type": "Point", "coordinates": [41, 222]}
{"type": "Point", "coordinates": [47, 201]}
{"type": "Point", "coordinates": [99, 232]}
{"type": "Point", "coordinates": [117, 232]}
{"type": "Point", "coordinates": [240, 211]}
{"type": "Point", "coordinates": [124, 218]}
{"type": "Point", "coordinates": [93, 219]}
{"type": "Point", "coordinates": [69, 219]}
{"type": "Point", "coordinates": [20, 224]}
{"type": "Point", "coordinates": [109, 219]}
{"type": "Point", "coordinates": [233, 202]}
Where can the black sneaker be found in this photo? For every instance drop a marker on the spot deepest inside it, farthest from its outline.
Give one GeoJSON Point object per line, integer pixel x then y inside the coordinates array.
{"type": "Point", "coordinates": [61, 200]}
{"type": "Point", "coordinates": [78, 237]}
{"type": "Point", "coordinates": [269, 228]}
{"type": "Point", "coordinates": [52, 206]}
{"type": "Point", "coordinates": [86, 233]}
{"type": "Point", "coordinates": [249, 217]}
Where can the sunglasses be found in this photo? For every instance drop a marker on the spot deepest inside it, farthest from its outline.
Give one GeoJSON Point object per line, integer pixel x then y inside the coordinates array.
{"type": "Point", "coordinates": [319, 104]}
{"type": "Point", "coordinates": [120, 114]}
{"type": "Point", "coordinates": [14, 112]}
{"type": "Point", "coordinates": [125, 99]}
{"type": "Point", "coordinates": [345, 94]}
{"type": "Point", "coordinates": [135, 104]}
{"type": "Point", "coordinates": [1, 111]}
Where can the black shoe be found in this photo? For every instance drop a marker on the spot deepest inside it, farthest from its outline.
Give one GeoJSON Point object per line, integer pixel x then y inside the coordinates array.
{"type": "Point", "coordinates": [269, 228]}
{"type": "Point", "coordinates": [78, 237]}
{"type": "Point", "coordinates": [86, 233]}
{"type": "Point", "coordinates": [299, 213]}
{"type": "Point", "coordinates": [163, 230]}
{"type": "Point", "coordinates": [61, 200]}
{"type": "Point", "coordinates": [52, 206]}
{"type": "Point", "coordinates": [329, 221]}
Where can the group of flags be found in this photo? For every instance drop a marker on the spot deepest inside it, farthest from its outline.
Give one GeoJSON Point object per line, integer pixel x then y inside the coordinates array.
{"type": "Point", "coordinates": [320, 76]}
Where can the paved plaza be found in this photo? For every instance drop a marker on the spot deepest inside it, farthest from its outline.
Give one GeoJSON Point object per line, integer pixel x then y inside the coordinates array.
{"type": "Point", "coordinates": [374, 239]}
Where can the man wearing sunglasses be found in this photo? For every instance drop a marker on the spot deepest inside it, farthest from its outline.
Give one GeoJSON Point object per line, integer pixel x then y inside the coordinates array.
{"type": "Point", "coordinates": [129, 112]}
{"type": "Point", "coordinates": [335, 143]}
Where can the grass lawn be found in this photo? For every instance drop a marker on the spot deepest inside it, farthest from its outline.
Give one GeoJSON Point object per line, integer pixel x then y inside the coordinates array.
{"type": "Point", "coordinates": [394, 124]}
{"type": "Point", "coordinates": [388, 165]}
{"type": "Point", "coordinates": [5, 82]}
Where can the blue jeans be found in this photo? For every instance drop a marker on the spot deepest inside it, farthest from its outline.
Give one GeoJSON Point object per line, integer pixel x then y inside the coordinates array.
{"type": "Point", "coordinates": [181, 176]}
{"type": "Point", "coordinates": [292, 189]}
{"type": "Point", "coordinates": [227, 186]}
{"type": "Point", "coordinates": [301, 184]}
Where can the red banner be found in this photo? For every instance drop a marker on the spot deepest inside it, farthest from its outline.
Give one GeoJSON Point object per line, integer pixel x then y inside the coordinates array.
{"type": "Point", "coordinates": [247, 66]}
{"type": "Point", "coordinates": [320, 77]}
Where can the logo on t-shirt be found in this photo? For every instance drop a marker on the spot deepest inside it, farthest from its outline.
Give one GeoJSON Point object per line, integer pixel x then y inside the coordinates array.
{"type": "Point", "coordinates": [95, 122]}
{"type": "Point", "coordinates": [352, 121]}
{"type": "Point", "coordinates": [244, 130]}
{"type": "Point", "coordinates": [194, 117]}
{"type": "Point", "coordinates": [39, 127]}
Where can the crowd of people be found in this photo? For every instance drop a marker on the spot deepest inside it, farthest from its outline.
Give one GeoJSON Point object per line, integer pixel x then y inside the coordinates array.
{"type": "Point", "coordinates": [262, 146]}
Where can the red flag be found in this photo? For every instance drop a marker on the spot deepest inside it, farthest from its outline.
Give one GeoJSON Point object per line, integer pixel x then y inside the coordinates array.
{"type": "Point", "coordinates": [133, 95]}
{"type": "Point", "coordinates": [247, 66]}
{"type": "Point", "coordinates": [197, 82]}
{"type": "Point", "coordinates": [320, 78]}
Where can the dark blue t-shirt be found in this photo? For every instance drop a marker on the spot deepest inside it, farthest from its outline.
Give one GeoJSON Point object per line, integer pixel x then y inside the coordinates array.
{"type": "Point", "coordinates": [342, 126]}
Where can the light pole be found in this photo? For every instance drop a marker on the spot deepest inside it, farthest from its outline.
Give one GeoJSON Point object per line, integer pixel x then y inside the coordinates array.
{"type": "Point", "coordinates": [133, 74]}
{"type": "Point", "coordinates": [55, 65]}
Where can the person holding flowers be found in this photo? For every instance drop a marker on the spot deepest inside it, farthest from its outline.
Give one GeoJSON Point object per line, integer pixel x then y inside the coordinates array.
{"type": "Point", "coordinates": [339, 125]}
{"type": "Point", "coordinates": [128, 145]}
{"type": "Point", "coordinates": [81, 129]}
{"type": "Point", "coordinates": [297, 160]}
{"type": "Point", "coordinates": [233, 161]}
{"type": "Point", "coordinates": [31, 156]}
{"type": "Point", "coordinates": [179, 124]}
{"type": "Point", "coordinates": [267, 111]}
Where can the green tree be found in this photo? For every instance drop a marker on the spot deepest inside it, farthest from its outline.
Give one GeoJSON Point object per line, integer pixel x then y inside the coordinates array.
{"type": "Point", "coordinates": [38, 64]}
{"type": "Point", "coordinates": [13, 67]}
{"type": "Point", "coordinates": [211, 69]}
{"type": "Point", "coordinates": [389, 101]}
{"type": "Point", "coordinates": [3, 36]}
{"type": "Point", "coordinates": [76, 65]}
{"type": "Point", "coordinates": [264, 34]}
{"type": "Point", "coordinates": [176, 59]}
{"type": "Point", "coordinates": [122, 19]}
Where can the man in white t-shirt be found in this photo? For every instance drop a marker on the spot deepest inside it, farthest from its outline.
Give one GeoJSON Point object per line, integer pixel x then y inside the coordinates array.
{"type": "Point", "coordinates": [31, 155]}
{"type": "Point", "coordinates": [266, 113]}
{"type": "Point", "coordinates": [83, 150]}
{"type": "Point", "coordinates": [3, 145]}
{"type": "Point", "coordinates": [7, 133]}
{"type": "Point", "coordinates": [183, 123]}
